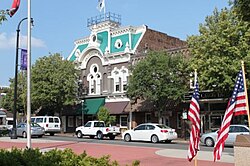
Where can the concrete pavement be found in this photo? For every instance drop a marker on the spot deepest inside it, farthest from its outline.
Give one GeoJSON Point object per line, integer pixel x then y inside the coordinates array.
{"type": "Point", "coordinates": [124, 154]}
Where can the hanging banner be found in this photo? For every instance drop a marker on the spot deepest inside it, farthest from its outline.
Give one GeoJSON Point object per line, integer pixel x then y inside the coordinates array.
{"type": "Point", "coordinates": [23, 59]}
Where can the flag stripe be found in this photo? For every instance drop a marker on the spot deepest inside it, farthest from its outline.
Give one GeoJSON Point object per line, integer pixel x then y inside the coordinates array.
{"type": "Point", "coordinates": [194, 117]}
{"type": "Point", "coordinates": [14, 7]}
{"type": "Point", "coordinates": [236, 106]}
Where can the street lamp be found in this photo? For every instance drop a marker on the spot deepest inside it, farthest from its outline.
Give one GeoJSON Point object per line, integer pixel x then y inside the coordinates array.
{"type": "Point", "coordinates": [14, 134]}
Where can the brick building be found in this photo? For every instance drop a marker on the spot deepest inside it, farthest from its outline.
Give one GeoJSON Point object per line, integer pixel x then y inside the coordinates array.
{"type": "Point", "coordinates": [104, 59]}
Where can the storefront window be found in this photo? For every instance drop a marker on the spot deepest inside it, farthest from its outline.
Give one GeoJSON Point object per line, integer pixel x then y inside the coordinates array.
{"type": "Point", "coordinates": [179, 118]}
{"type": "Point", "coordinates": [123, 121]}
{"type": "Point", "coordinates": [215, 121]}
{"type": "Point", "coordinates": [70, 121]}
{"type": "Point", "coordinates": [148, 117]}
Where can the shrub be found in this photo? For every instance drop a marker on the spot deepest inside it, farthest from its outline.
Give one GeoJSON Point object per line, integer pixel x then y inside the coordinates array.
{"type": "Point", "coordinates": [30, 157]}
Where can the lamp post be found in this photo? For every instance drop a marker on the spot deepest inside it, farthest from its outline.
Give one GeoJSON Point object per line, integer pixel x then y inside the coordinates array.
{"type": "Point", "coordinates": [14, 134]}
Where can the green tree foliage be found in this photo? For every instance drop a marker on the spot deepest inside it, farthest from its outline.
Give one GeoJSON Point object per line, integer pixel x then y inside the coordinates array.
{"type": "Point", "coordinates": [54, 83]}
{"type": "Point", "coordinates": [8, 100]}
{"type": "Point", "coordinates": [242, 8]}
{"type": "Point", "coordinates": [159, 78]}
{"type": "Point", "coordinates": [104, 115]}
{"type": "Point", "coordinates": [218, 50]}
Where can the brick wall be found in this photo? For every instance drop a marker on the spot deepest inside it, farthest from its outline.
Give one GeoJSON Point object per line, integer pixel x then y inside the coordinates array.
{"type": "Point", "coordinates": [158, 41]}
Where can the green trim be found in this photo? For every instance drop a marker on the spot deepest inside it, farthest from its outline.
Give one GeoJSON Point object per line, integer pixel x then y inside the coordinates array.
{"type": "Point", "coordinates": [103, 38]}
{"type": "Point", "coordinates": [92, 105]}
{"type": "Point", "coordinates": [124, 38]}
{"type": "Point", "coordinates": [81, 48]}
{"type": "Point", "coordinates": [135, 39]}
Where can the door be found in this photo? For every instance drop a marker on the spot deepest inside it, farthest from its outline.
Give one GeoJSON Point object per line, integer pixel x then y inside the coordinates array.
{"type": "Point", "coordinates": [139, 133]}
{"type": "Point", "coordinates": [87, 129]}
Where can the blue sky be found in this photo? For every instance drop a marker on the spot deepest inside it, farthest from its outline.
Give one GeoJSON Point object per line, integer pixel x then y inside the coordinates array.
{"type": "Point", "coordinates": [58, 23]}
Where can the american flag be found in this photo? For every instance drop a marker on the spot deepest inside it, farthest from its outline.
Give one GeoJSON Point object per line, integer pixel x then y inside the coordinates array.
{"type": "Point", "coordinates": [236, 106]}
{"type": "Point", "coordinates": [194, 117]}
{"type": "Point", "coordinates": [14, 7]}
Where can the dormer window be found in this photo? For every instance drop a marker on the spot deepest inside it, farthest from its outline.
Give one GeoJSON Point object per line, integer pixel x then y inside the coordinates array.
{"type": "Point", "coordinates": [118, 43]}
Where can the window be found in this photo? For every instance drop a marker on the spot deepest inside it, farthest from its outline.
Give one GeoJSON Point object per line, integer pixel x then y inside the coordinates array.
{"type": "Point", "coordinates": [148, 117]}
{"type": "Point", "coordinates": [56, 120]}
{"type": "Point", "coordinates": [179, 118]}
{"type": "Point", "coordinates": [88, 124]}
{"type": "Point", "coordinates": [51, 120]}
{"type": "Point", "coordinates": [39, 120]}
{"type": "Point", "coordinates": [70, 121]}
{"type": "Point", "coordinates": [120, 77]}
{"type": "Point", "coordinates": [94, 78]}
{"type": "Point", "coordinates": [141, 127]}
{"type": "Point", "coordinates": [150, 127]}
{"type": "Point", "coordinates": [117, 88]}
{"type": "Point", "coordinates": [123, 121]}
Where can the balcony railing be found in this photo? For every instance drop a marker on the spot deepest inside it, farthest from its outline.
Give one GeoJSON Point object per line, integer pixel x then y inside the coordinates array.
{"type": "Point", "coordinates": [104, 17]}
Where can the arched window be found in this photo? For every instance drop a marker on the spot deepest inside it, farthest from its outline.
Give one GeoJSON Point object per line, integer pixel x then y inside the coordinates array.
{"type": "Point", "coordinates": [120, 77]}
{"type": "Point", "coordinates": [94, 79]}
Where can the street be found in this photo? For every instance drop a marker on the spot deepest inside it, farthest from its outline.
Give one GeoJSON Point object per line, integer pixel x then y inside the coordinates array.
{"type": "Point", "coordinates": [124, 152]}
{"type": "Point", "coordinates": [176, 144]}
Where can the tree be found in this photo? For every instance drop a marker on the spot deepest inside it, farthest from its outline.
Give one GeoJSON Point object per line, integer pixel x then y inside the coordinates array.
{"type": "Point", "coordinates": [218, 50]}
{"type": "Point", "coordinates": [8, 100]}
{"type": "Point", "coordinates": [159, 78]}
{"type": "Point", "coordinates": [104, 115]}
{"type": "Point", "coordinates": [54, 83]}
{"type": "Point", "coordinates": [242, 7]}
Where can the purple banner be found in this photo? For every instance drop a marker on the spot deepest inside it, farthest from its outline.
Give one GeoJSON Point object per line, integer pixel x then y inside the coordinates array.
{"type": "Point", "coordinates": [23, 59]}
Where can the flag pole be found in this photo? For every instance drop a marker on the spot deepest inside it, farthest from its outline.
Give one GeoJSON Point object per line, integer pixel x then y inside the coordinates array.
{"type": "Point", "coordinates": [29, 77]}
{"type": "Point", "coordinates": [245, 87]}
{"type": "Point", "coordinates": [195, 161]}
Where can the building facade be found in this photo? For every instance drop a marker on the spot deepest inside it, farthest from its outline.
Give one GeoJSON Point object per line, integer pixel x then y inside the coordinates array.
{"type": "Point", "coordinates": [104, 59]}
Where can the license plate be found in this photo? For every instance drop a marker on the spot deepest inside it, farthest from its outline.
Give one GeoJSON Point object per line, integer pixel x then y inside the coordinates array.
{"type": "Point", "coordinates": [171, 132]}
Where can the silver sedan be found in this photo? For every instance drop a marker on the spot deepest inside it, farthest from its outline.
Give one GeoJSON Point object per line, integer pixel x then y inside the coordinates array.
{"type": "Point", "coordinates": [209, 139]}
{"type": "Point", "coordinates": [36, 130]}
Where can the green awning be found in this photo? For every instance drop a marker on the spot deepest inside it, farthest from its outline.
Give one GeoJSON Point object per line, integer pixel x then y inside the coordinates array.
{"type": "Point", "coordinates": [91, 106]}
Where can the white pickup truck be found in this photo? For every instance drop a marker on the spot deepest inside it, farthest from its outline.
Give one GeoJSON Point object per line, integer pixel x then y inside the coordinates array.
{"type": "Point", "coordinates": [98, 129]}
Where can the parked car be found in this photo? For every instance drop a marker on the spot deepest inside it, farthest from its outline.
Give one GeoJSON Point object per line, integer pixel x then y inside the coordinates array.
{"type": "Point", "coordinates": [209, 139]}
{"type": "Point", "coordinates": [36, 130]}
{"type": "Point", "coordinates": [51, 124]}
{"type": "Point", "coordinates": [98, 129]}
{"type": "Point", "coordinates": [150, 132]}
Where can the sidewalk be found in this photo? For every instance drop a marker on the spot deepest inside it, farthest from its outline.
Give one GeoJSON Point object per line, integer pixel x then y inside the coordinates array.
{"type": "Point", "coordinates": [123, 154]}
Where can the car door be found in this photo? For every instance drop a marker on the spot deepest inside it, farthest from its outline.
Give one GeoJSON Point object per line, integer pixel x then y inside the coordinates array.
{"type": "Point", "coordinates": [20, 129]}
{"type": "Point", "coordinates": [87, 129]}
{"type": "Point", "coordinates": [139, 133]}
{"type": "Point", "coordinates": [233, 132]}
{"type": "Point", "coordinates": [149, 132]}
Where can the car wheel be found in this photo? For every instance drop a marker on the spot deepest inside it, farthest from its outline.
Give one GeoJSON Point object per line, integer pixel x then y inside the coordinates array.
{"type": "Point", "coordinates": [127, 138]}
{"type": "Point", "coordinates": [24, 134]}
{"type": "Point", "coordinates": [209, 142]}
{"type": "Point", "coordinates": [99, 135]}
{"type": "Point", "coordinates": [79, 134]}
{"type": "Point", "coordinates": [154, 139]}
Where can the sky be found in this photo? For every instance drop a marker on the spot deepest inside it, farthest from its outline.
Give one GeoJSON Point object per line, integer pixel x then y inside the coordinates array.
{"type": "Point", "coordinates": [58, 23]}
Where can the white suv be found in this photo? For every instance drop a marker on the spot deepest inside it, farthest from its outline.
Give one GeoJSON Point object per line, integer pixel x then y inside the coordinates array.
{"type": "Point", "coordinates": [51, 124]}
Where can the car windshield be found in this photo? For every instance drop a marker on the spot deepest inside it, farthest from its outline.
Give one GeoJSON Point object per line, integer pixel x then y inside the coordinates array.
{"type": "Point", "coordinates": [35, 125]}
{"type": "Point", "coordinates": [162, 126]}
